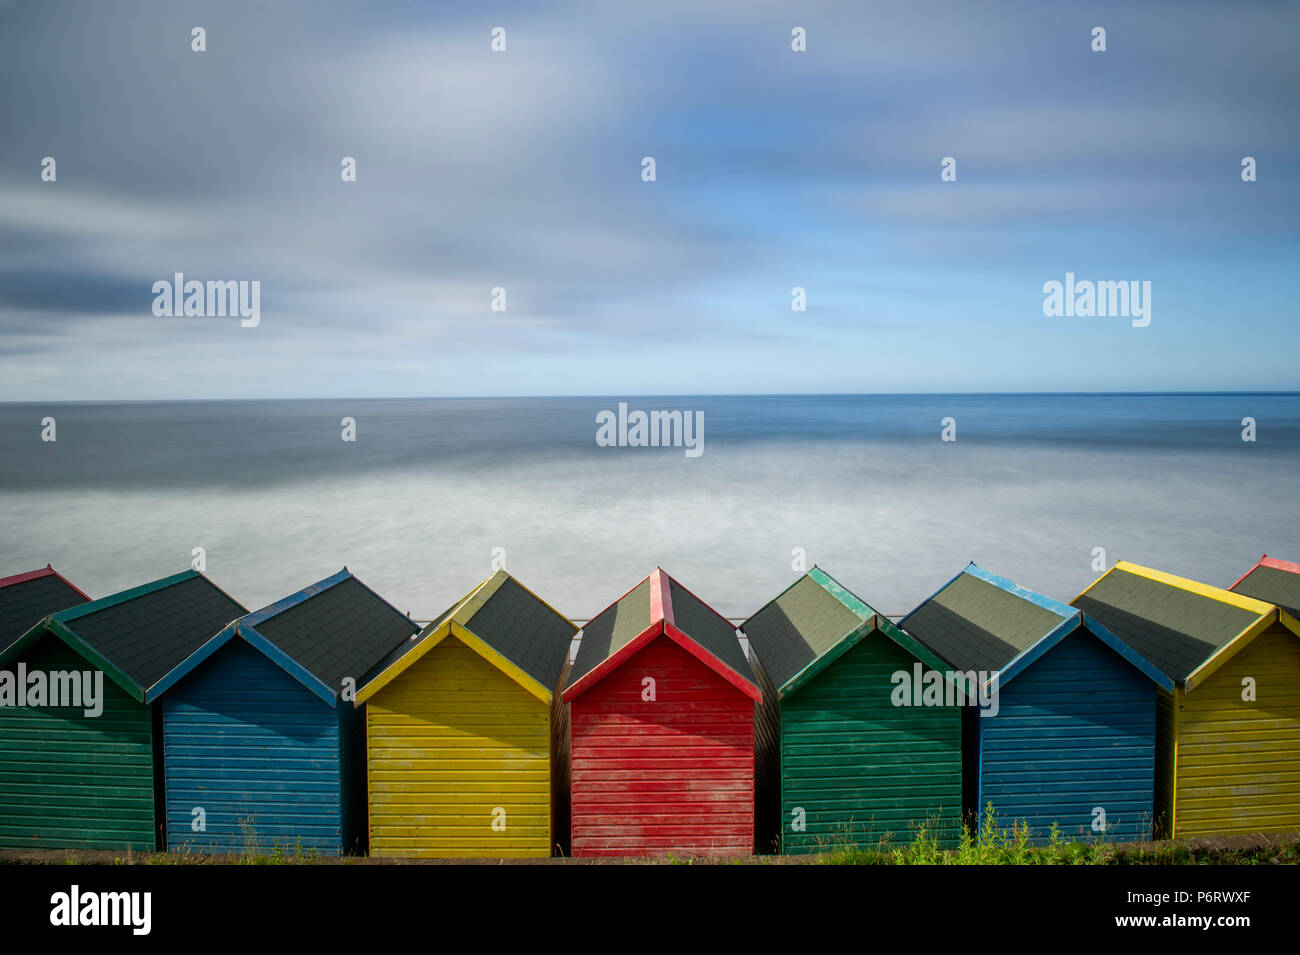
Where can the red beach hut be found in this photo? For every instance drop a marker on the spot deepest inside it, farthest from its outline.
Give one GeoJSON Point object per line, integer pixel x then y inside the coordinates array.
{"type": "Point", "coordinates": [661, 729]}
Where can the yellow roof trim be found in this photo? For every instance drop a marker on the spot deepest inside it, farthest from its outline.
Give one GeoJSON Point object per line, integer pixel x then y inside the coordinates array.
{"type": "Point", "coordinates": [1196, 587]}
{"type": "Point", "coordinates": [493, 657]}
{"type": "Point", "coordinates": [1228, 651]}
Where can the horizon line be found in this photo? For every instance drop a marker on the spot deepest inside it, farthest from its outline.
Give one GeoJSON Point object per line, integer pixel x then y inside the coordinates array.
{"type": "Point", "coordinates": [639, 395]}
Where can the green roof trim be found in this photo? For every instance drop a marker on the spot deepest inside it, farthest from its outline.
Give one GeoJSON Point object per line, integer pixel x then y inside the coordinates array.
{"type": "Point", "coordinates": [842, 593]}
{"type": "Point", "coordinates": [82, 610]}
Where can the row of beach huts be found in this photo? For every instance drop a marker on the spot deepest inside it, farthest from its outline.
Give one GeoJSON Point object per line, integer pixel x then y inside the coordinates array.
{"type": "Point", "coordinates": [330, 722]}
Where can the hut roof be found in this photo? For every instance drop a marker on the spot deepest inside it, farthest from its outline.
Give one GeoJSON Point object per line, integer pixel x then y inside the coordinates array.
{"type": "Point", "coordinates": [139, 636]}
{"type": "Point", "coordinates": [1273, 581]}
{"type": "Point", "coordinates": [26, 598]}
{"type": "Point", "coordinates": [504, 622]}
{"type": "Point", "coordinates": [981, 622]}
{"type": "Point", "coordinates": [810, 624]}
{"type": "Point", "coordinates": [659, 605]}
{"type": "Point", "coordinates": [334, 629]}
{"type": "Point", "coordinates": [1184, 627]}
{"type": "Point", "coordinates": [978, 621]}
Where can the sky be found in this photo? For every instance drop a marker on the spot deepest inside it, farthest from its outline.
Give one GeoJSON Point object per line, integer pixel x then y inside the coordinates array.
{"type": "Point", "coordinates": [522, 170]}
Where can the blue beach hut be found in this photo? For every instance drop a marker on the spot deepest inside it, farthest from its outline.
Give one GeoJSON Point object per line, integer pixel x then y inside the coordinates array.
{"type": "Point", "coordinates": [262, 746]}
{"type": "Point", "coordinates": [1068, 733]}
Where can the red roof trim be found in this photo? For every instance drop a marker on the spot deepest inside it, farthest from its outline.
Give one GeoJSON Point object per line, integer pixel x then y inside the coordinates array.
{"type": "Point", "coordinates": [1266, 561]}
{"type": "Point", "coordinates": [612, 662]}
{"type": "Point", "coordinates": [46, 571]}
{"type": "Point", "coordinates": [713, 663]}
{"type": "Point", "coordinates": [1276, 564]}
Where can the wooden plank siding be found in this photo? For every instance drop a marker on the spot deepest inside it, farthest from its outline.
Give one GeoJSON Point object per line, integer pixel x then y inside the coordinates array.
{"type": "Point", "coordinates": [861, 769]}
{"type": "Point", "coordinates": [70, 781]}
{"type": "Point", "coordinates": [670, 777]}
{"type": "Point", "coordinates": [1239, 762]}
{"type": "Point", "coordinates": [1074, 732]}
{"type": "Point", "coordinates": [451, 741]}
{"type": "Point", "coordinates": [258, 752]}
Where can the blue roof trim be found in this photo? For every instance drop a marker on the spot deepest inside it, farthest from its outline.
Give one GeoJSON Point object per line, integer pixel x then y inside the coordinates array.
{"type": "Point", "coordinates": [1064, 611]}
{"type": "Point", "coordinates": [190, 662]}
{"type": "Point", "coordinates": [280, 606]}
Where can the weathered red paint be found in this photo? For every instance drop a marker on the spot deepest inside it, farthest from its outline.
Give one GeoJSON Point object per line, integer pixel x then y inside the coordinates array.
{"type": "Point", "coordinates": [670, 777]}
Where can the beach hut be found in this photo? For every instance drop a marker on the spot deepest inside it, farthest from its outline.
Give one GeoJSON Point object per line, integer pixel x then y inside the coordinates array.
{"type": "Point", "coordinates": [1228, 743]}
{"type": "Point", "coordinates": [262, 746]}
{"type": "Point", "coordinates": [1064, 732]}
{"type": "Point", "coordinates": [458, 729]}
{"type": "Point", "coordinates": [852, 767]}
{"type": "Point", "coordinates": [77, 753]}
{"type": "Point", "coordinates": [661, 729]}
{"type": "Point", "coordinates": [1272, 581]}
{"type": "Point", "coordinates": [27, 598]}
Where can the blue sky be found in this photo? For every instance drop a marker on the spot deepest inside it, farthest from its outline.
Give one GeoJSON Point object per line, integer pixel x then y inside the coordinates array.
{"type": "Point", "coordinates": [522, 170]}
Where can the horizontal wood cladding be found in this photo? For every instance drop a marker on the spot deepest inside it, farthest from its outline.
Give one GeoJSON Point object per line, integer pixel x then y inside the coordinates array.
{"type": "Point", "coordinates": [857, 770]}
{"type": "Point", "coordinates": [458, 761]}
{"type": "Point", "coordinates": [672, 776]}
{"type": "Point", "coordinates": [1239, 761]}
{"type": "Point", "coordinates": [257, 752]}
{"type": "Point", "coordinates": [72, 781]}
{"type": "Point", "coordinates": [1074, 734]}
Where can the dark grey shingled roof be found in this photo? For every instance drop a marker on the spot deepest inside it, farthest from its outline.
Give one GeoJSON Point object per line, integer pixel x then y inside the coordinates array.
{"type": "Point", "coordinates": [976, 625]}
{"type": "Point", "coordinates": [699, 622]}
{"type": "Point", "coordinates": [797, 627]}
{"type": "Point", "coordinates": [612, 629]}
{"type": "Point", "coordinates": [23, 605]}
{"type": "Point", "coordinates": [1175, 629]}
{"type": "Point", "coordinates": [525, 631]}
{"type": "Point", "coordinates": [146, 637]}
{"type": "Point", "coordinates": [1272, 585]}
{"type": "Point", "coordinates": [342, 631]}
{"type": "Point", "coordinates": [616, 626]}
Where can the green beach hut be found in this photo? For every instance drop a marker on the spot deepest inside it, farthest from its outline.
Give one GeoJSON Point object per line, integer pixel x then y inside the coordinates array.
{"type": "Point", "coordinates": [79, 746]}
{"type": "Point", "coordinates": [840, 764]}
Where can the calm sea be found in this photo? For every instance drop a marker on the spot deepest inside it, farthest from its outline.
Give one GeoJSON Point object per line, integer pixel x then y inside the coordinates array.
{"type": "Point", "coordinates": [862, 485]}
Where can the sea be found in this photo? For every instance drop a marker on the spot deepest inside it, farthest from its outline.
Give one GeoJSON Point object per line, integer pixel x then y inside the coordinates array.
{"type": "Point", "coordinates": [433, 494]}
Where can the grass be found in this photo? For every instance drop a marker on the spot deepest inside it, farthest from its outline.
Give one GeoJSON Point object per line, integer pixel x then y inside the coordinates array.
{"type": "Point", "coordinates": [993, 844]}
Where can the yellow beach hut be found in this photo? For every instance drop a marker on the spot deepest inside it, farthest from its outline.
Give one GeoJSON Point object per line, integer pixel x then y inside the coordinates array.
{"type": "Point", "coordinates": [458, 729]}
{"type": "Point", "coordinates": [1228, 734]}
